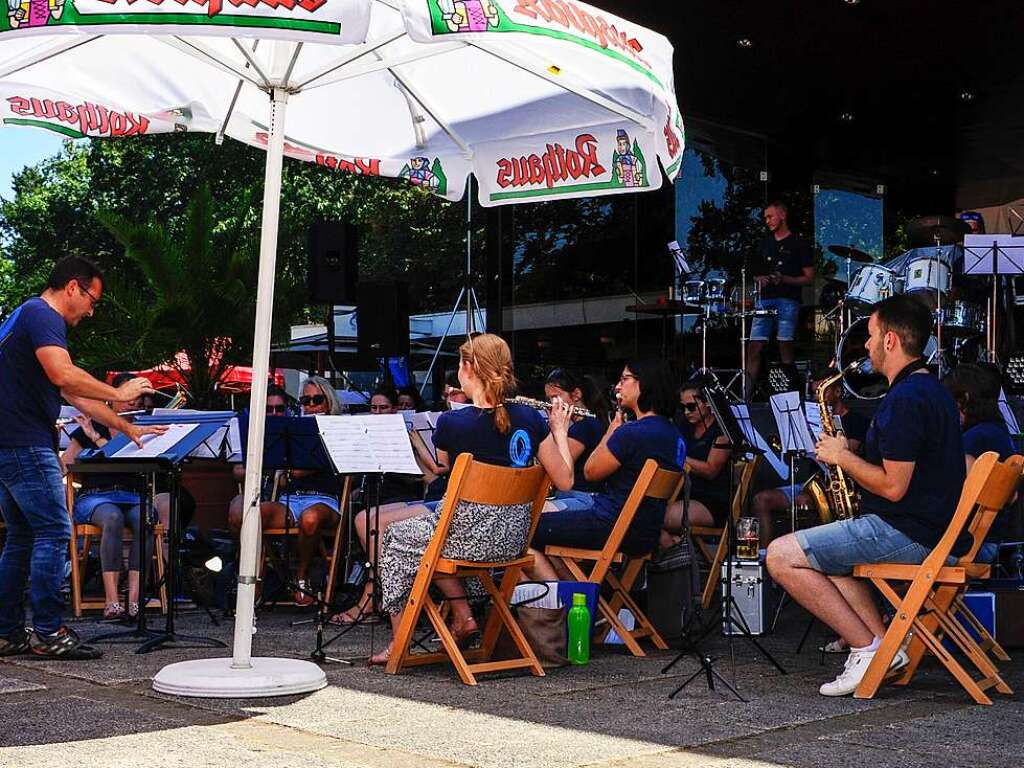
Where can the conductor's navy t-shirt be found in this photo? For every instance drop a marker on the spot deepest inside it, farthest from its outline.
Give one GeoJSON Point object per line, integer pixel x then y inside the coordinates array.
{"type": "Point", "coordinates": [29, 401]}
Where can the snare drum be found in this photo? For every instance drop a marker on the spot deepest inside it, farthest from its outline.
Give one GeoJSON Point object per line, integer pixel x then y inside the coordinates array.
{"type": "Point", "coordinates": [964, 318]}
{"type": "Point", "coordinates": [693, 292]}
{"type": "Point", "coordinates": [871, 284]}
{"type": "Point", "coordinates": [926, 275]}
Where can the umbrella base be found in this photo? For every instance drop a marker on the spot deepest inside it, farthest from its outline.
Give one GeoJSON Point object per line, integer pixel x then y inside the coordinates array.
{"type": "Point", "coordinates": [215, 679]}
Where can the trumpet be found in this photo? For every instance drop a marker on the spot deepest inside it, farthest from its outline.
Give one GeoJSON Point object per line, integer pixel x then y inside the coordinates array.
{"type": "Point", "coordinates": [575, 411]}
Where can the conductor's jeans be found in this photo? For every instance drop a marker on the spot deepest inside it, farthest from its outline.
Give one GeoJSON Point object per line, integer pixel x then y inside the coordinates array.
{"type": "Point", "coordinates": [38, 531]}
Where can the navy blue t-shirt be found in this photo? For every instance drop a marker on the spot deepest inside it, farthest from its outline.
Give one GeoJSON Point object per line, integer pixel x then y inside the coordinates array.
{"type": "Point", "coordinates": [472, 430]}
{"type": "Point", "coordinates": [29, 401]}
{"type": "Point", "coordinates": [918, 421]}
{"type": "Point", "coordinates": [714, 493]}
{"type": "Point", "coordinates": [588, 432]}
{"type": "Point", "coordinates": [632, 444]}
{"type": "Point", "coordinates": [982, 438]}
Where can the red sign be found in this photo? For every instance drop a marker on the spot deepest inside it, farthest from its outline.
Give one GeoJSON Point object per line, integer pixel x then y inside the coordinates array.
{"type": "Point", "coordinates": [571, 16]}
{"type": "Point", "coordinates": [362, 166]}
{"type": "Point", "coordinates": [90, 119]}
{"type": "Point", "coordinates": [216, 6]}
{"type": "Point", "coordinates": [557, 164]}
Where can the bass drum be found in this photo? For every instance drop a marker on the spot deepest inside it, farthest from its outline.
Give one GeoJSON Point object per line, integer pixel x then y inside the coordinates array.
{"type": "Point", "coordinates": [863, 383]}
{"type": "Point", "coordinates": [863, 386]}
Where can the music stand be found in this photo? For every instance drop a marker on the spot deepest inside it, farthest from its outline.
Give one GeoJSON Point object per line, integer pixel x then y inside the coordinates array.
{"type": "Point", "coordinates": [168, 462]}
{"type": "Point", "coordinates": [993, 255]}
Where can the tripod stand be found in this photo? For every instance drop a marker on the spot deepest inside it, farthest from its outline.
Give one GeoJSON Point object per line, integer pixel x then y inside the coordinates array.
{"type": "Point", "coordinates": [467, 293]}
{"type": "Point", "coordinates": [732, 618]}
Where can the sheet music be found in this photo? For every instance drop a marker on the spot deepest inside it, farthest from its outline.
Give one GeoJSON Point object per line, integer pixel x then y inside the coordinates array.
{"type": "Point", "coordinates": [742, 414]}
{"type": "Point", "coordinates": [368, 443]}
{"type": "Point", "coordinates": [791, 420]}
{"type": "Point", "coordinates": [210, 448]}
{"type": "Point", "coordinates": [67, 413]}
{"type": "Point", "coordinates": [1008, 417]}
{"type": "Point", "coordinates": [813, 414]}
{"type": "Point", "coordinates": [155, 445]}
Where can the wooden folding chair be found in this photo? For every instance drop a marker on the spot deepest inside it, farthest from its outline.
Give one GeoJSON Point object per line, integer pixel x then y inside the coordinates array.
{"type": "Point", "coordinates": [330, 556]}
{"type": "Point", "coordinates": [89, 533]}
{"type": "Point", "coordinates": [929, 603]}
{"type": "Point", "coordinates": [479, 483]}
{"type": "Point", "coordinates": [652, 483]}
{"type": "Point", "coordinates": [702, 534]}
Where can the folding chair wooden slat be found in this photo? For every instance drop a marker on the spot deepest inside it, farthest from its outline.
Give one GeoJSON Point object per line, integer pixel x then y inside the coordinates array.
{"type": "Point", "coordinates": [928, 605]}
{"type": "Point", "coordinates": [661, 484]}
{"type": "Point", "coordinates": [479, 483]}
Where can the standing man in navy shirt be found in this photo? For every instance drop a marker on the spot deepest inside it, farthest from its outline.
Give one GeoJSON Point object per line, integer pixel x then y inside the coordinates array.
{"type": "Point", "coordinates": [35, 371]}
{"type": "Point", "coordinates": [910, 477]}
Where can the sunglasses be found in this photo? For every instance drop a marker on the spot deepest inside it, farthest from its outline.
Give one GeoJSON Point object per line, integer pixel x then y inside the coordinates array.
{"type": "Point", "coordinates": [313, 399]}
{"type": "Point", "coordinates": [277, 409]}
{"type": "Point", "coordinates": [690, 407]}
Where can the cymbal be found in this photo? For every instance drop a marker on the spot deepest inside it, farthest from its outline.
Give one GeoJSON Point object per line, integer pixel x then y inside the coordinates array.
{"type": "Point", "coordinates": [924, 230]}
{"type": "Point", "coordinates": [847, 252]}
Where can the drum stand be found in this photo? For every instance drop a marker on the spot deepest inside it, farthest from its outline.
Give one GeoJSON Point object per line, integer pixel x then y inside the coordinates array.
{"type": "Point", "coordinates": [938, 308]}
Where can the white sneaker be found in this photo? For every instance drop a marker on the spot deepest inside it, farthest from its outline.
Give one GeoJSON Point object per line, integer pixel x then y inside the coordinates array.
{"type": "Point", "coordinates": [856, 667]}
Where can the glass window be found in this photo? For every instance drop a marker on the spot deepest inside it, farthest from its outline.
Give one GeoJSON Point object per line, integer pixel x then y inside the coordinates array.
{"type": "Point", "coordinates": [846, 218]}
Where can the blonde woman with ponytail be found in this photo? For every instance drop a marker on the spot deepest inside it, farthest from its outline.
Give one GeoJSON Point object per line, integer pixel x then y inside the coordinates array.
{"type": "Point", "coordinates": [494, 432]}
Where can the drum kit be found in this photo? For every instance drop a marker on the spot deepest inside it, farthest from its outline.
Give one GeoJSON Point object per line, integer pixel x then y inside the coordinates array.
{"type": "Point", "coordinates": [926, 275]}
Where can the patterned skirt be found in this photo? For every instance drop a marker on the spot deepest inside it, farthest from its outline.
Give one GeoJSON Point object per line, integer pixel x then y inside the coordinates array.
{"type": "Point", "coordinates": [480, 532]}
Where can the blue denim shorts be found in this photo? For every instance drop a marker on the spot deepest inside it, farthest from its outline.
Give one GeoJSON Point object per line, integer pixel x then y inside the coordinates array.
{"type": "Point", "coordinates": [298, 503]}
{"type": "Point", "coordinates": [835, 548]}
{"type": "Point", "coordinates": [785, 321]}
{"type": "Point", "coordinates": [86, 504]}
{"type": "Point", "coordinates": [577, 501]}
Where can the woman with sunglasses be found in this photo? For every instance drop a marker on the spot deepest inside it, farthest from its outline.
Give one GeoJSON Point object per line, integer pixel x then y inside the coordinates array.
{"type": "Point", "coordinates": [309, 502]}
{"type": "Point", "coordinates": [646, 389]}
{"type": "Point", "coordinates": [707, 459]}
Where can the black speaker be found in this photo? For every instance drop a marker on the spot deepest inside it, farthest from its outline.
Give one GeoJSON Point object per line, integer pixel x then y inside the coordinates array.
{"type": "Point", "coordinates": [382, 318]}
{"type": "Point", "coordinates": [333, 263]}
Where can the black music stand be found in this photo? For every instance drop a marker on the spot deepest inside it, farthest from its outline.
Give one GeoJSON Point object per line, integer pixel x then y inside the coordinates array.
{"type": "Point", "coordinates": [995, 256]}
{"type": "Point", "coordinates": [290, 443]}
{"type": "Point", "coordinates": [718, 401]}
{"type": "Point", "coordinates": [168, 463]}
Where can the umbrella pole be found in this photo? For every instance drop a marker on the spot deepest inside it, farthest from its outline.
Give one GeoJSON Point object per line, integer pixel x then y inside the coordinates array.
{"type": "Point", "coordinates": [242, 676]}
{"type": "Point", "coordinates": [249, 538]}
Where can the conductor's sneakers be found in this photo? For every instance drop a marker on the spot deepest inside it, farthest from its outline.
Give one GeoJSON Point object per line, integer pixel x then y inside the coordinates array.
{"type": "Point", "coordinates": [62, 644]}
{"type": "Point", "coordinates": [856, 667]}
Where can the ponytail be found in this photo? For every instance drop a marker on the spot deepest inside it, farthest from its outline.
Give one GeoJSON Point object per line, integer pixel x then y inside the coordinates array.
{"type": "Point", "coordinates": [492, 364]}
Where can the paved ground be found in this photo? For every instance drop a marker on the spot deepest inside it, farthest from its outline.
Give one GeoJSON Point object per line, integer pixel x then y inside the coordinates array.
{"type": "Point", "coordinates": [612, 714]}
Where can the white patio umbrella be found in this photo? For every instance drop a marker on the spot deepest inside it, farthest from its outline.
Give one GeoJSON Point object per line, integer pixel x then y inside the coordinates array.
{"type": "Point", "coordinates": [538, 99]}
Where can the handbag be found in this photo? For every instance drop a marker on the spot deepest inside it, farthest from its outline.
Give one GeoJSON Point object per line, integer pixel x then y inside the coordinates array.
{"type": "Point", "coordinates": [544, 628]}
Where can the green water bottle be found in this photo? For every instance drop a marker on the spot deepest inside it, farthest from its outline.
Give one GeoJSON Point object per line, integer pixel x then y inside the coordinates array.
{"type": "Point", "coordinates": [579, 630]}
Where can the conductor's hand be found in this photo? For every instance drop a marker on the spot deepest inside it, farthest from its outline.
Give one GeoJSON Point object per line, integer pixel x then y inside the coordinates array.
{"type": "Point", "coordinates": [558, 418]}
{"type": "Point", "coordinates": [829, 449]}
{"type": "Point", "coordinates": [136, 433]}
{"type": "Point", "coordinates": [133, 389]}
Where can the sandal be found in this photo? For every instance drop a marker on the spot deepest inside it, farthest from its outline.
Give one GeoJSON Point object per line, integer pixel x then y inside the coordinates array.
{"type": "Point", "coordinates": [63, 644]}
{"type": "Point", "coordinates": [113, 612]}
{"type": "Point", "coordinates": [466, 634]}
{"type": "Point", "coordinates": [381, 659]}
{"type": "Point", "coordinates": [366, 615]}
{"type": "Point", "coordinates": [15, 643]}
{"type": "Point", "coordinates": [133, 611]}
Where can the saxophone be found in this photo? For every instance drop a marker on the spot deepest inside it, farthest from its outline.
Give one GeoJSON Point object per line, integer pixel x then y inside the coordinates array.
{"type": "Point", "coordinates": [838, 490]}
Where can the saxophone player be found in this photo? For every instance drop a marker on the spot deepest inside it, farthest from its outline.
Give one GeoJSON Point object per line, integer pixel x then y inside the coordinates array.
{"type": "Point", "coordinates": [910, 479]}
{"type": "Point", "coordinates": [771, 503]}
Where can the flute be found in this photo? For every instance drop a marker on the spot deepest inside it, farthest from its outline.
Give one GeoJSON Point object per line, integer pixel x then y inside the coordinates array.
{"type": "Point", "coordinates": [575, 411]}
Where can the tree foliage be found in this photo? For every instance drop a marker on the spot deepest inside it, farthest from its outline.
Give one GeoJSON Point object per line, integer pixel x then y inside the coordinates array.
{"type": "Point", "coordinates": [407, 234]}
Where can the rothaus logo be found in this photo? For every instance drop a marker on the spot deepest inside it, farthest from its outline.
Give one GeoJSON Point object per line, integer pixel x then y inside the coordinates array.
{"type": "Point", "coordinates": [90, 119]}
{"type": "Point", "coordinates": [573, 17]}
{"type": "Point", "coordinates": [557, 164]}
{"type": "Point", "coordinates": [214, 7]}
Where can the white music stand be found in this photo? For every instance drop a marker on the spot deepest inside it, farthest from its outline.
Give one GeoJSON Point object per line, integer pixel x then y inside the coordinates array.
{"type": "Point", "coordinates": [795, 434]}
{"type": "Point", "coordinates": [995, 256]}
